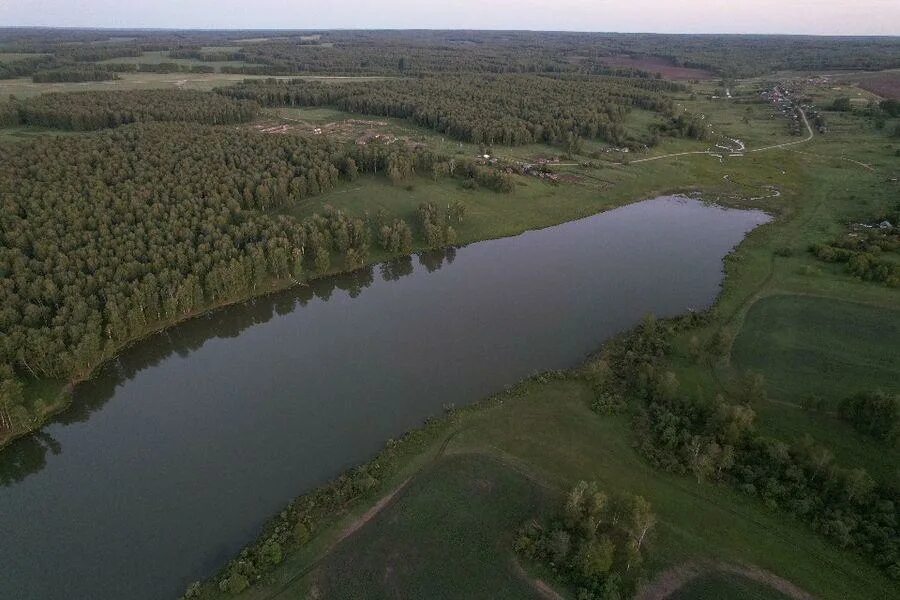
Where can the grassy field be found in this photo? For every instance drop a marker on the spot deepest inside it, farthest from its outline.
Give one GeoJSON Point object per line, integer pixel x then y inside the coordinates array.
{"type": "Point", "coordinates": [808, 347]}
{"type": "Point", "coordinates": [815, 346]}
{"type": "Point", "coordinates": [469, 501]}
{"type": "Point", "coordinates": [464, 499]}
{"type": "Point", "coordinates": [534, 203]}
{"type": "Point", "coordinates": [743, 116]}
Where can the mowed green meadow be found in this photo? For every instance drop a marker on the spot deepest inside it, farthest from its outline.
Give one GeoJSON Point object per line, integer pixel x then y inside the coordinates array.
{"type": "Point", "coordinates": [809, 346]}
{"type": "Point", "coordinates": [470, 505]}
{"type": "Point", "coordinates": [814, 352]}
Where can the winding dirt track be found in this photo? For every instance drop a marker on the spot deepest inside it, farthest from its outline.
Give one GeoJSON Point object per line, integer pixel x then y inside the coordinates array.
{"type": "Point", "coordinates": [794, 143]}
{"type": "Point", "coordinates": [708, 152]}
{"type": "Point", "coordinates": [540, 586]}
{"type": "Point", "coordinates": [670, 581]}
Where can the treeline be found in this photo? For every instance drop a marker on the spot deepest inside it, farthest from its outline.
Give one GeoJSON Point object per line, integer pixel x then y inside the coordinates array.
{"type": "Point", "coordinates": [96, 53]}
{"type": "Point", "coordinates": [890, 107]}
{"type": "Point", "coordinates": [163, 67]}
{"type": "Point", "coordinates": [508, 109]}
{"type": "Point", "coordinates": [106, 234]}
{"type": "Point", "coordinates": [73, 75]}
{"type": "Point", "coordinates": [208, 56]}
{"type": "Point", "coordinates": [377, 55]}
{"type": "Point", "coordinates": [26, 66]}
{"type": "Point", "coordinates": [596, 544]}
{"type": "Point", "coordinates": [62, 57]}
{"type": "Point", "coordinates": [436, 225]}
{"type": "Point", "coordinates": [99, 110]}
{"type": "Point", "coordinates": [716, 439]}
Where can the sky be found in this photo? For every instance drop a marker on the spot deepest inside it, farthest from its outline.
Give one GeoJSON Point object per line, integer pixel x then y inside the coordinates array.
{"type": "Point", "coordinates": [825, 17]}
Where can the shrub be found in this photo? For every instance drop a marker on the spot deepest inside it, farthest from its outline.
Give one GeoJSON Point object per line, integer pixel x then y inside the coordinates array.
{"type": "Point", "coordinates": [873, 413]}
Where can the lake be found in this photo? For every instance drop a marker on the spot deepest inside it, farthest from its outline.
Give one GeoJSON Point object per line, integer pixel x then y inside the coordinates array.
{"type": "Point", "coordinates": [174, 456]}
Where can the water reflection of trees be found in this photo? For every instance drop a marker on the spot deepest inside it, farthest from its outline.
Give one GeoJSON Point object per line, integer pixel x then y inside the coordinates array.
{"type": "Point", "coordinates": [433, 260]}
{"type": "Point", "coordinates": [395, 269]}
{"type": "Point", "coordinates": [25, 456]}
{"type": "Point", "coordinates": [29, 454]}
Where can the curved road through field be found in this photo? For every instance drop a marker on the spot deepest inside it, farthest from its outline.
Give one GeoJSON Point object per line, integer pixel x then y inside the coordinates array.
{"type": "Point", "coordinates": [711, 153]}
{"type": "Point", "coordinates": [794, 143]}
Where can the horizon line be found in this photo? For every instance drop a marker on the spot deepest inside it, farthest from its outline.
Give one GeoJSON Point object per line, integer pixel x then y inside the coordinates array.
{"type": "Point", "coordinates": [438, 29]}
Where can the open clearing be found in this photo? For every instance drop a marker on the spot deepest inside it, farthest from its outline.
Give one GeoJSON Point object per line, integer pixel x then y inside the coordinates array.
{"type": "Point", "coordinates": [807, 345]}
{"type": "Point", "coordinates": [469, 500]}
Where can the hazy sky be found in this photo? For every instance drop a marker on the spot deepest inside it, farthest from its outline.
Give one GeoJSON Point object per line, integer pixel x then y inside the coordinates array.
{"type": "Point", "coordinates": [847, 17]}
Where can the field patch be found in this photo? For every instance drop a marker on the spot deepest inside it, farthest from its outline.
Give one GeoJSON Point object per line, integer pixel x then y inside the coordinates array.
{"type": "Point", "coordinates": [717, 585]}
{"type": "Point", "coordinates": [462, 510]}
{"type": "Point", "coordinates": [814, 346]}
{"type": "Point", "coordinates": [883, 83]}
{"type": "Point", "coordinates": [448, 534]}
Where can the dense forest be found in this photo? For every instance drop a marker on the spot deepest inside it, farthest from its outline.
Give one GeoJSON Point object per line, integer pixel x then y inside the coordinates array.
{"type": "Point", "coordinates": [526, 52]}
{"type": "Point", "coordinates": [73, 74]}
{"type": "Point", "coordinates": [100, 110]}
{"type": "Point", "coordinates": [505, 109]}
{"type": "Point", "coordinates": [417, 52]}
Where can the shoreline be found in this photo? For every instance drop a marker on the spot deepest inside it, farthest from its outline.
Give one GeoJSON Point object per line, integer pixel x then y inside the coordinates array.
{"type": "Point", "coordinates": [63, 398]}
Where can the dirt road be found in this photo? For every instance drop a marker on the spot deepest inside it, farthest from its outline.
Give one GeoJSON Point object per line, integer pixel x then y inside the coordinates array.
{"type": "Point", "coordinates": [709, 152]}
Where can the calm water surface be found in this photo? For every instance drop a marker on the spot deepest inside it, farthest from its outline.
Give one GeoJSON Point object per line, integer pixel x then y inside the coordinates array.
{"type": "Point", "coordinates": [174, 456]}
